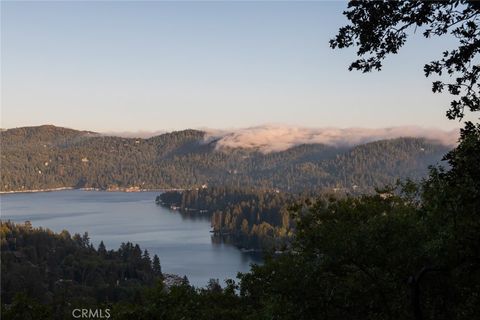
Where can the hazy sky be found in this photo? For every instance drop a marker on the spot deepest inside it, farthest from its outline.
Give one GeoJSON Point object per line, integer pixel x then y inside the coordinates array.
{"type": "Point", "coordinates": [128, 66]}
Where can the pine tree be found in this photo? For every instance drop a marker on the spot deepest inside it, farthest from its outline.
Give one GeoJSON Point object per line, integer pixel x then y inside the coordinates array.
{"type": "Point", "coordinates": [101, 249]}
{"type": "Point", "coordinates": [146, 260]}
{"type": "Point", "coordinates": [157, 269]}
{"type": "Point", "coordinates": [85, 240]}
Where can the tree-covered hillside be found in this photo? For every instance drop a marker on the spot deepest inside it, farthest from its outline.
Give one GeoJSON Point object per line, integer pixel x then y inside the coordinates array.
{"type": "Point", "coordinates": [59, 270]}
{"type": "Point", "coordinates": [48, 157]}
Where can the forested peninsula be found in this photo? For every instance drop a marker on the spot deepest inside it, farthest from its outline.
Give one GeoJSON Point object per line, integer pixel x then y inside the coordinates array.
{"type": "Point", "coordinates": [248, 218]}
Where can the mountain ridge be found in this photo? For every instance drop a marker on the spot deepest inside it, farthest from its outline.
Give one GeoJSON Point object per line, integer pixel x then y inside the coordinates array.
{"type": "Point", "coordinates": [269, 134]}
{"type": "Point", "coordinates": [47, 157]}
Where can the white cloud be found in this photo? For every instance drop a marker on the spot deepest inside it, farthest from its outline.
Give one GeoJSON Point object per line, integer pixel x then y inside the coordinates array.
{"type": "Point", "coordinates": [271, 138]}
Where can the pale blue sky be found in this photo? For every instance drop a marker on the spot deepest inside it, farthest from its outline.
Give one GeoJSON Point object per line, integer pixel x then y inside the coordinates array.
{"type": "Point", "coordinates": [128, 66]}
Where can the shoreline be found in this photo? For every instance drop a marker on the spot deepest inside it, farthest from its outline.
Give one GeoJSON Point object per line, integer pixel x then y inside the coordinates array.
{"type": "Point", "coordinates": [127, 190]}
{"type": "Point", "coordinates": [37, 190]}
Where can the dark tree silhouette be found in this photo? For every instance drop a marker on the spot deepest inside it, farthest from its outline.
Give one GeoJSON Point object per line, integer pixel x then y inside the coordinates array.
{"type": "Point", "coordinates": [380, 28]}
{"type": "Point", "coordinates": [101, 248]}
{"type": "Point", "coordinates": [157, 269]}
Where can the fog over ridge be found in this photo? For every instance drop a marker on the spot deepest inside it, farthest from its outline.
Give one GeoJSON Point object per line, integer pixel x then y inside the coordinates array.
{"type": "Point", "coordinates": [274, 138]}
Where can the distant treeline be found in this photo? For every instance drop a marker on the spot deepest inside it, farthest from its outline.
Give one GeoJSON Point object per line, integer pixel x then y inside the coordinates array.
{"type": "Point", "coordinates": [49, 157]}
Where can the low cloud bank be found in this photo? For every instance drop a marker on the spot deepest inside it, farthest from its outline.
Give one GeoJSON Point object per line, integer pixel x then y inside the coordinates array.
{"type": "Point", "coordinates": [279, 138]}
{"type": "Point", "coordinates": [274, 138]}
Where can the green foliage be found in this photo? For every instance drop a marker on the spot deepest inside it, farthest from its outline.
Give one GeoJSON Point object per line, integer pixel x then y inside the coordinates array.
{"type": "Point", "coordinates": [342, 266]}
{"type": "Point", "coordinates": [184, 302]}
{"type": "Point", "coordinates": [25, 308]}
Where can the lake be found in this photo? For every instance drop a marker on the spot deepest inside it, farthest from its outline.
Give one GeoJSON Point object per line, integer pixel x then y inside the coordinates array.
{"type": "Point", "coordinates": [184, 245]}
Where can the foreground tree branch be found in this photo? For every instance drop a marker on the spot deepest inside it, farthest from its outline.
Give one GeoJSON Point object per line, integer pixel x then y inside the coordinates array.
{"type": "Point", "coordinates": [380, 28]}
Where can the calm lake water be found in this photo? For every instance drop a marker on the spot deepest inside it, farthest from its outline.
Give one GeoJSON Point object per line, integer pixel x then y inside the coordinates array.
{"type": "Point", "coordinates": [184, 245]}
